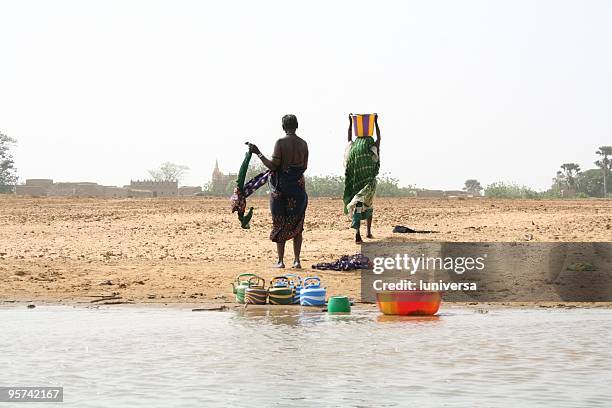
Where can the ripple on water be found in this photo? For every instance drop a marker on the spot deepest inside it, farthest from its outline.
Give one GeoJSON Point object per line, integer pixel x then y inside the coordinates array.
{"type": "Point", "coordinates": [141, 357]}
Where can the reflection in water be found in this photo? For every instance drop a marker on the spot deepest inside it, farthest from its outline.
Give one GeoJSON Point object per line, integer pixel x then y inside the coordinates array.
{"type": "Point", "coordinates": [292, 316]}
{"type": "Point", "coordinates": [255, 315]}
{"type": "Point", "coordinates": [143, 357]}
{"type": "Point", "coordinates": [409, 319]}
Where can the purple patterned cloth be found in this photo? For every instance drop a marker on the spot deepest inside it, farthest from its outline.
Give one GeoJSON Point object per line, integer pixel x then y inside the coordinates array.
{"type": "Point", "coordinates": [256, 182]}
{"type": "Point", "coordinates": [238, 199]}
{"type": "Point", "coordinates": [345, 263]}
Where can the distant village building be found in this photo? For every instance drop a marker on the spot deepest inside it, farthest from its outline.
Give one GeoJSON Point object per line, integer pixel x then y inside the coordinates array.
{"type": "Point", "coordinates": [429, 193]}
{"type": "Point", "coordinates": [158, 188]}
{"type": "Point", "coordinates": [34, 191]}
{"type": "Point", "coordinates": [457, 193]}
{"type": "Point", "coordinates": [45, 183]}
{"type": "Point", "coordinates": [147, 188]}
{"type": "Point", "coordinates": [78, 189]}
{"type": "Point", "coordinates": [34, 187]}
{"type": "Point", "coordinates": [425, 193]}
{"type": "Point", "coordinates": [186, 191]}
{"type": "Point", "coordinates": [135, 193]}
{"type": "Point", "coordinates": [220, 181]}
{"type": "Point", "coordinates": [116, 192]}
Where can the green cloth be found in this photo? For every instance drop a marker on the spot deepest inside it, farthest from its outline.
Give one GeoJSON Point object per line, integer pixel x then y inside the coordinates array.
{"type": "Point", "coordinates": [245, 219]}
{"type": "Point", "coordinates": [362, 167]}
{"type": "Point", "coordinates": [244, 167]}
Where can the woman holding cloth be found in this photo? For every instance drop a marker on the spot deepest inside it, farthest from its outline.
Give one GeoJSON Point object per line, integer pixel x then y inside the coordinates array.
{"type": "Point", "coordinates": [288, 198]}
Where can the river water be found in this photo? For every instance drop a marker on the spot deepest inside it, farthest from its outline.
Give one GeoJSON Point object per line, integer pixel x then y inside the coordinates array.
{"type": "Point", "coordinates": [154, 357]}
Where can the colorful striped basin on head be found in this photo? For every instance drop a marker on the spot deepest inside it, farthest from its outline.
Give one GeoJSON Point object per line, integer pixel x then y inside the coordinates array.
{"type": "Point", "coordinates": [363, 124]}
{"type": "Point", "coordinates": [409, 302]}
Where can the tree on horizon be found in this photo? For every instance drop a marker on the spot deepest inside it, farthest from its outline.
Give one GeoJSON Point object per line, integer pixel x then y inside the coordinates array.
{"type": "Point", "coordinates": [472, 186]}
{"type": "Point", "coordinates": [8, 172]}
{"type": "Point", "coordinates": [570, 171]}
{"type": "Point", "coordinates": [605, 164]}
{"type": "Point", "coordinates": [169, 172]}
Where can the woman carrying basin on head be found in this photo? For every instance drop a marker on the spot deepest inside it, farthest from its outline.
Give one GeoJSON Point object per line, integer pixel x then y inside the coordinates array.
{"type": "Point", "coordinates": [361, 162]}
{"type": "Point", "coordinates": [288, 198]}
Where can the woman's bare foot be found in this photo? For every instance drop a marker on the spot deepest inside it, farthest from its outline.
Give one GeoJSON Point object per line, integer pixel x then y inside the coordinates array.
{"type": "Point", "coordinates": [369, 235]}
{"type": "Point", "coordinates": [279, 265]}
{"type": "Point", "coordinates": [296, 265]}
{"type": "Point", "coordinates": [358, 239]}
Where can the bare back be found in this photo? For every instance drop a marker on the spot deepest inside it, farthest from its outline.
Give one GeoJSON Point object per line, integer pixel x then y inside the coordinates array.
{"type": "Point", "coordinates": [291, 150]}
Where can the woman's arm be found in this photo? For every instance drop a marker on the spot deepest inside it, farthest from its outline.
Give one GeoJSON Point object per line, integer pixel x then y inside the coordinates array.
{"type": "Point", "coordinates": [350, 128]}
{"type": "Point", "coordinates": [270, 164]}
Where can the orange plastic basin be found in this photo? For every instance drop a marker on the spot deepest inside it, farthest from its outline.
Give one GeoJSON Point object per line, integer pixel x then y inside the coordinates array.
{"type": "Point", "coordinates": [409, 302]}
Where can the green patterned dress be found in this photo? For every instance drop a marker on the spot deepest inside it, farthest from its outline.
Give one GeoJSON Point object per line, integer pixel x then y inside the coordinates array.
{"type": "Point", "coordinates": [361, 168]}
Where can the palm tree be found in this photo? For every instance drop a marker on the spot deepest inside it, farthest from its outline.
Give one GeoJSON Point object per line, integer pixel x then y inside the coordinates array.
{"type": "Point", "coordinates": [605, 164]}
{"type": "Point", "coordinates": [570, 172]}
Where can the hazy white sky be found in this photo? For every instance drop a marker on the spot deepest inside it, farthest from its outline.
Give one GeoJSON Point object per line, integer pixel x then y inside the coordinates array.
{"type": "Point", "coordinates": [493, 90]}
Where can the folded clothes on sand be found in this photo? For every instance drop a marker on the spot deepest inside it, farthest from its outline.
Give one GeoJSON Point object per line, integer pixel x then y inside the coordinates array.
{"type": "Point", "coordinates": [345, 263]}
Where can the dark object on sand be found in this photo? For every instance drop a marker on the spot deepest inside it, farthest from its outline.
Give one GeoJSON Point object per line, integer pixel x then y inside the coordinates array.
{"type": "Point", "coordinates": [30, 306]}
{"type": "Point", "coordinates": [211, 309]}
{"type": "Point", "coordinates": [105, 299]}
{"type": "Point", "coordinates": [345, 263]}
{"type": "Point", "coordinates": [407, 230]}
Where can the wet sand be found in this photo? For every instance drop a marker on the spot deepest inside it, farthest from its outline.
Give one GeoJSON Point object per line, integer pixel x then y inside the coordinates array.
{"type": "Point", "coordinates": [188, 250]}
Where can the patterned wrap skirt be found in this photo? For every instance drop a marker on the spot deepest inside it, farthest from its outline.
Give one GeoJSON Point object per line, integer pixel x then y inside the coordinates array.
{"type": "Point", "coordinates": [361, 168]}
{"type": "Point", "coordinates": [288, 202]}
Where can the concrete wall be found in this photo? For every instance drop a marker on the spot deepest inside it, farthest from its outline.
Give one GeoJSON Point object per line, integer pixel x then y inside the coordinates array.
{"type": "Point", "coordinates": [46, 187]}
{"type": "Point", "coordinates": [159, 188]}
{"type": "Point", "coordinates": [115, 192]}
{"type": "Point", "coordinates": [456, 193]}
{"type": "Point", "coordinates": [89, 190]}
{"type": "Point", "coordinates": [441, 193]}
{"type": "Point", "coordinates": [132, 192]}
{"type": "Point", "coordinates": [430, 193]}
{"type": "Point", "coordinates": [45, 183]}
{"type": "Point", "coordinates": [35, 191]}
{"type": "Point", "coordinates": [189, 191]}
{"type": "Point", "coordinates": [80, 189]}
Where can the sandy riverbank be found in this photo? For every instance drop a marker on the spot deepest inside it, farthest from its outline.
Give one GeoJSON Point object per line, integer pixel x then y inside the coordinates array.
{"type": "Point", "coordinates": [188, 250]}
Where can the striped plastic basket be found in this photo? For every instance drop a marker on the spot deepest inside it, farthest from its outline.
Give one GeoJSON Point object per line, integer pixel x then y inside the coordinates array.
{"type": "Point", "coordinates": [312, 294]}
{"type": "Point", "coordinates": [296, 282]}
{"type": "Point", "coordinates": [363, 124]}
{"type": "Point", "coordinates": [256, 293]}
{"type": "Point", "coordinates": [280, 292]}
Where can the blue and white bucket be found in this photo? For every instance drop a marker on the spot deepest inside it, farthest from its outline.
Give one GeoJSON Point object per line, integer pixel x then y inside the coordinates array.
{"type": "Point", "coordinates": [296, 283]}
{"type": "Point", "coordinates": [312, 294]}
